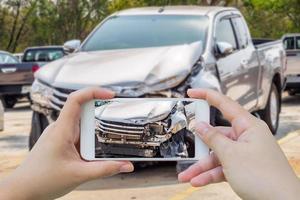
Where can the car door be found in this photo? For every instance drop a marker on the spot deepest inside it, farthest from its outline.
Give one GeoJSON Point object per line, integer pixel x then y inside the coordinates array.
{"type": "Point", "coordinates": [237, 69]}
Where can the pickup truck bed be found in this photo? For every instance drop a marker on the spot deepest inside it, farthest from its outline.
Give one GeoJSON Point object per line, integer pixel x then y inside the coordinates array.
{"type": "Point", "coordinates": [291, 43]}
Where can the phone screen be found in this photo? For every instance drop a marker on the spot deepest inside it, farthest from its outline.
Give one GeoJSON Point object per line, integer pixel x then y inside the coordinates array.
{"type": "Point", "coordinates": [145, 129]}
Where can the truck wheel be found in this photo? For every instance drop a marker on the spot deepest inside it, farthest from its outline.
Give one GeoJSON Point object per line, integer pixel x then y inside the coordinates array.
{"type": "Point", "coordinates": [9, 101]}
{"type": "Point", "coordinates": [38, 123]}
{"type": "Point", "coordinates": [271, 113]}
{"type": "Point", "coordinates": [292, 92]}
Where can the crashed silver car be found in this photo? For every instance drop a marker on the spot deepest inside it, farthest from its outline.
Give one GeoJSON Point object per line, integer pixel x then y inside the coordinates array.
{"type": "Point", "coordinates": [162, 52]}
{"type": "Point", "coordinates": [145, 129]}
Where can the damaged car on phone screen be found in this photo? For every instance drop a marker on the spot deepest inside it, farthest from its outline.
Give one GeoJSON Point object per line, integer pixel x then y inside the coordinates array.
{"type": "Point", "coordinates": [148, 129]}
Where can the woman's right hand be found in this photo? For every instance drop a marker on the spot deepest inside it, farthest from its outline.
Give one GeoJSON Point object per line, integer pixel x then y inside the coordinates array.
{"type": "Point", "coordinates": [245, 154]}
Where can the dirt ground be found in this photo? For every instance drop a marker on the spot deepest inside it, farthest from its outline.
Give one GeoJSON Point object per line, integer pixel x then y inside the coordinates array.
{"type": "Point", "coordinates": [159, 182]}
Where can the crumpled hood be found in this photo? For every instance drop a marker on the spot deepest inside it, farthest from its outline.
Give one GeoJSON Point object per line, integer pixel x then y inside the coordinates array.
{"type": "Point", "coordinates": [125, 67]}
{"type": "Point", "coordinates": [135, 112]}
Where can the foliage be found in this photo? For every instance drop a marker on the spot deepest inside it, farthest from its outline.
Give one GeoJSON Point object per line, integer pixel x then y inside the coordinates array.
{"type": "Point", "coordinates": [26, 23]}
{"type": "Point", "coordinates": [272, 18]}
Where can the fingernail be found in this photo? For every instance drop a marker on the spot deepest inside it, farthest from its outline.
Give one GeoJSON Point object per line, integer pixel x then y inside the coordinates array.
{"type": "Point", "coordinates": [202, 128]}
{"type": "Point", "coordinates": [181, 177]}
{"type": "Point", "coordinates": [126, 168]}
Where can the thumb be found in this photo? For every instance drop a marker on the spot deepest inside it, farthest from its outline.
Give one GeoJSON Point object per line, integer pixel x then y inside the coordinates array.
{"type": "Point", "coordinates": [100, 169]}
{"type": "Point", "coordinates": [213, 138]}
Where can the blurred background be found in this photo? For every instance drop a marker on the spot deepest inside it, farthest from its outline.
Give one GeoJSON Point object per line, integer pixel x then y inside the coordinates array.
{"type": "Point", "coordinates": [26, 23]}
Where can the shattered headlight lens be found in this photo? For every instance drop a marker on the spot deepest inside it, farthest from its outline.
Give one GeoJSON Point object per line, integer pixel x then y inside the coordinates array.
{"type": "Point", "coordinates": [156, 129]}
{"type": "Point", "coordinates": [41, 93]}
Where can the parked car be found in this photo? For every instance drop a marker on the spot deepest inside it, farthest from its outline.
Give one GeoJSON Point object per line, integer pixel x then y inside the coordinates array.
{"type": "Point", "coordinates": [162, 52]}
{"type": "Point", "coordinates": [16, 77]}
{"type": "Point", "coordinates": [292, 46]}
{"type": "Point", "coordinates": [43, 54]}
{"type": "Point", "coordinates": [19, 56]}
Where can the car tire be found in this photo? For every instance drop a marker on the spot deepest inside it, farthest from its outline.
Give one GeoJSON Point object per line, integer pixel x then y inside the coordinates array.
{"type": "Point", "coordinates": [291, 92]}
{"type": "Point", "coordinates": [271, 112]}
{"type": "Point", "coordinates": [9, 101]}
{"type": "Point", "coordinates": [38, 123]}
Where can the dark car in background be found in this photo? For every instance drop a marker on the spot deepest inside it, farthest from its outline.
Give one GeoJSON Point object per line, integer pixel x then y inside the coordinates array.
{"type": "Point", "coordinates": [43, 55]}
{"type": "Point", "coordinates": [16, 77]}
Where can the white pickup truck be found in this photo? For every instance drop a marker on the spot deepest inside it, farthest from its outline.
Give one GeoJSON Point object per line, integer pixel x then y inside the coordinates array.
{"type": "Point", "coordinates": [162, 52]}
{"type": "Point", "coordinates": [292, 46]}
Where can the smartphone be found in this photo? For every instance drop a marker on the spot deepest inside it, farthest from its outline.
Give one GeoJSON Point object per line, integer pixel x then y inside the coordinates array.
{"type": "Point", "coordinates": [143, 129]}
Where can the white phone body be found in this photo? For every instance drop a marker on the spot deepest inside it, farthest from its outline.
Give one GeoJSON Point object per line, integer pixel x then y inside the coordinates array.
{"type": "Point", "coordinates": [87, 130]}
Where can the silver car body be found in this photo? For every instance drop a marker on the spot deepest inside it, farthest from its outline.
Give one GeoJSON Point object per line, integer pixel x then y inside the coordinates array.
{"type": "Point", "coordinates": [245, 74]}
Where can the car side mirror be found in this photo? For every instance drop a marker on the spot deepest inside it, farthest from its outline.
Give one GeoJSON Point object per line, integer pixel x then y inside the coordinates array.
{"type": "Point", "coordinates": [72, 45]}
{"type": "Point", "coordinates": [224, 48]}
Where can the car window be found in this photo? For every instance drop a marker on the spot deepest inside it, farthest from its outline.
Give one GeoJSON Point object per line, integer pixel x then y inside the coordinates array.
{"type": "Point", "coordinates": [142, 31]}
{"type": "Point", "coordinates": [225, 33]}
{"type": "Point", "coordinates": [297, 42]}
{"type": "Point", "coordinates": [43, 55]}
{"type": "Point", "coordinates": [7, 59]}
{"type": "Point", "coordinates": [289, 43]}
{"type": "Point", "coordinates": [241, 31]}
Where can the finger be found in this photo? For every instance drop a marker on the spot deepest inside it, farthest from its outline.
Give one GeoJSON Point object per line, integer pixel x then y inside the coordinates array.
{"type": "Point", "coordinates": [199, 167]}
{"type": "Point", "coordinates": [70, 113]}
{"type": "Point", "coordinates": [214, 139]}
{"type": "Point", "coordinates": [230, 109]}
{"type": "Point", "coordinates": [227, 131]}
{"type": "Point", "coordinates": [99, 169]}
{"type": "Point", "coordinates": [215, 175]}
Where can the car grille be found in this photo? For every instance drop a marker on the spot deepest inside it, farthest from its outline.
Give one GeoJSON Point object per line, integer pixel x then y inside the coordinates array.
{"type": "Point", "coordinates": [59, 98]}
{"type": "Point", "coordinates": [120, 130]}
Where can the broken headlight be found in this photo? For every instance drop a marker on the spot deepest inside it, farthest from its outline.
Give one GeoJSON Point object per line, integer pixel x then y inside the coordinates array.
{"type": "Point", "coordinates": [156, 129]}
{"type": "Point", "coordinates": [41, 93]}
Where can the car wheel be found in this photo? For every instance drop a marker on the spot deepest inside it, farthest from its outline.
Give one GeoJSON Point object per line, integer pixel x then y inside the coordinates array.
{"type": "Point", "coordinates": [271, 113]}
{"type": "Point", "coordinates": [9, 101]}
{"type": "Point", "coordinates": [38, 123]}
{"type": "Point", "coordinates": [292, 92]}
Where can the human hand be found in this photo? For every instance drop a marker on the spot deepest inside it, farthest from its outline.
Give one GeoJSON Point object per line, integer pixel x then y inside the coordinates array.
{"type": "Point", "coordinates": [245, 154]}
{"type": "Point", "coordinates": [54, 166]}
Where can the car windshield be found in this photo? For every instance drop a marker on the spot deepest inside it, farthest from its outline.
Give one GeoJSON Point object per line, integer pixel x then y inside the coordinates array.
{"type": "Point", "coordinates": [124, 32]}
{"type": "Point", "coordinates": [43, 55]}
{"type": "Point", "coordinates": [7, 59]}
